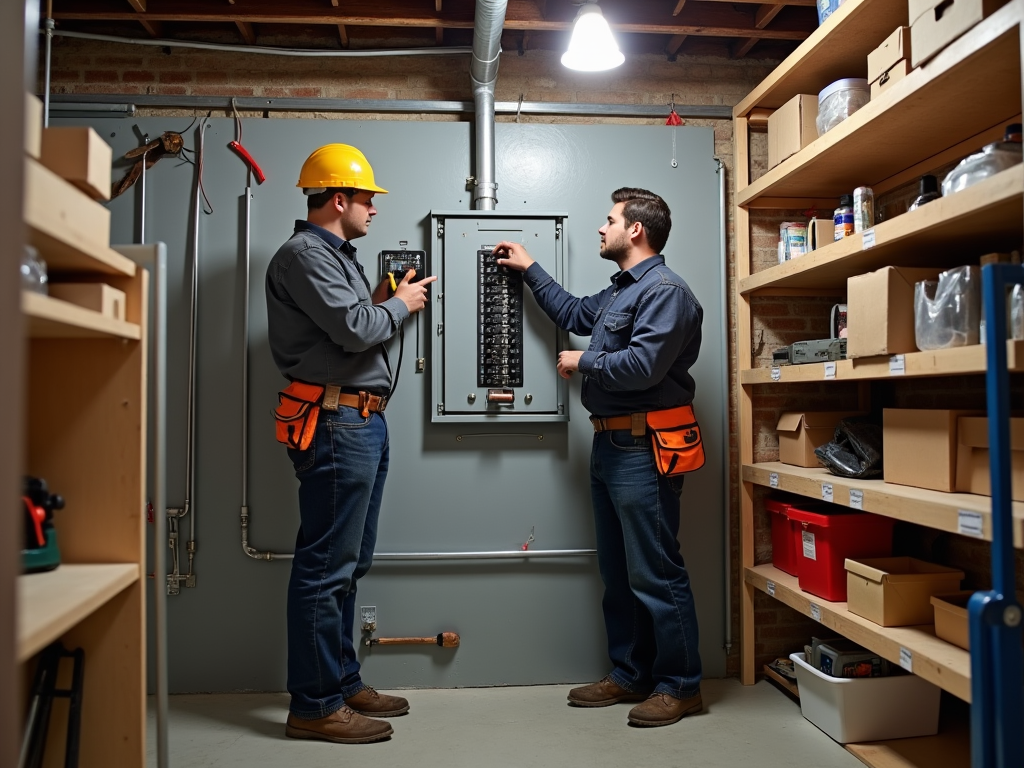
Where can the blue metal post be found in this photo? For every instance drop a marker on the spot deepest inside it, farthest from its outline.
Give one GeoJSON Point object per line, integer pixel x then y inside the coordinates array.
{"type": "Point", "coordinates": [997, 661]}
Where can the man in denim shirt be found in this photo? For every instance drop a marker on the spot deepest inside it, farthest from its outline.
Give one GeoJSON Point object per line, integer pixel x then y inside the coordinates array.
{"type": "Point", "coordinates": [326, 327]}
{"type": "Point", "coordinates": [645, 337]}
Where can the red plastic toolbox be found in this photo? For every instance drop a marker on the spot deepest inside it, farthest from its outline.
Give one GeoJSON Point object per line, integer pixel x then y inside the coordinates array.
{"type": "Point", "coordinates": [828, 538]}
{"type": "Point", "coordinates": [785, 537]}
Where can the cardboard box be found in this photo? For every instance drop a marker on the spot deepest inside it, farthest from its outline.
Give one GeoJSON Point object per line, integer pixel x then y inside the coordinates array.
{"type": "Point", "coordinates": [890, 77]}
{"type": "Point", "coordinates": [820, 232]}
{"type": "Point", "coordinates": [801, 432]}
{"type": "Point", "coordinates": [80, 156]}
{"type": "Point", "coordinates": [896, 591]}
{"type": "Point", "coordinates": [99, 297]}
{"type": "Point", "coordinates": [894, 48]}
{"type": "Point", "coordinates": [880, 311]}
{"type": "Point", "coordinates": [791, 127]}
{"type": "Point", "coordinates": [33, 125]}
{"type": "Point", "coordinates": [972, 457]}
{"type": "Point", "coordinates": [919, 447]}
{"type": "Point", "coordinates": [934, 24]}
{"type": "Point", "coordinates": [51, 203]}
{"type": "Point", "coordinates": [951, 618]}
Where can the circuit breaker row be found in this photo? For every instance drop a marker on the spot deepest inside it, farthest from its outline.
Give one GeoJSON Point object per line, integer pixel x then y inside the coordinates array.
{"type": "Point", "coordinates": [499, 324]}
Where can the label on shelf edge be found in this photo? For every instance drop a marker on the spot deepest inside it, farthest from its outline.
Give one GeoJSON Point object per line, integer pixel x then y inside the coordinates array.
{"type": "Point", "coordinates": [830, 370]}
{"type": "Point", "coordinates": [970, 523]}
{"type": "Point", "coordinates": [826, 492]}
{"type": "Point", "coordinates": [869, 238]}
{"type": "Point", "coordinates": [815, 612]}
{"type": "Point", "coordinates": [810, 551]}
{"type": "Point", "coordinates": [897, 365]}
{"type": "Point", "coordinates": [856, 499]}
{"type": "Point", "coordinates": [771, 588]}
{"type": "Point", "coordinates": [776, 373]}
{"type": "Point", "coordinates": [907, 659]}
{"type": "Point", "coordinates": [773, 479]}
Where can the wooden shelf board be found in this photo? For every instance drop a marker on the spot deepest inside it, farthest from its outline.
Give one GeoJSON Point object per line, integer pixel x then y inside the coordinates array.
{"type": "Point", "coordinates": [49, 604]}
{"type": "Point", "coordinates": [940, 362]}
{"type": "Point", "coordinates": [934, 660]}
{"type": "Point", "coordinates": [913, 121]}
{"type": "Point", "coordinates": [837, 49]}
{"type": "Point", "coordinates": [933, 509]}
{"type": "Point", "coordinates": [949, 748]}
{"type": "Point", "coordinates": [985, 217]}
{"type": "Point", "coordinates": [50, 318]}
{"type": "Point", "coordinates": [787, 685]}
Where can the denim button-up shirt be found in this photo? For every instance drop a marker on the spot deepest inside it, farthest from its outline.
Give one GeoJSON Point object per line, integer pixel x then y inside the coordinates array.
{"type": "Point", "coordinates": [645, 336]}
{"type": "Point", "coordinates": [323, 326]}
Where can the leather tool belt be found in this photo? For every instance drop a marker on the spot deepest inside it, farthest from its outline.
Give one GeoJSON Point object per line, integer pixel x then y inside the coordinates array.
{"type": "Point", "coordinates": [635, 422]}
{"type": "Point", "coordinates": [675, 436]}
{"type": "Point", "coordinates": [365, 402]}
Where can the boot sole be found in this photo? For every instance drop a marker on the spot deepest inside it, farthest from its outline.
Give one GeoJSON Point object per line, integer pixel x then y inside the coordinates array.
{"type": "Point", "coordinates": [390, 713]}
{"type": "Point", "coordinates": [607, 702]}
{"type": "Point", "coordinates": [657, 723]}
{"type": "Point", "coordinates": [300, 733]}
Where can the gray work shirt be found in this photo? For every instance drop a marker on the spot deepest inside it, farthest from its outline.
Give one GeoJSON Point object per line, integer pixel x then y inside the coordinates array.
{"type": "Point", "coordinates": [323, 327]}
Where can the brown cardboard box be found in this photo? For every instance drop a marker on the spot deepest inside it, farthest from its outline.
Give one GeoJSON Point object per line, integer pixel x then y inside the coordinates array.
{"type": "Point", "coordinates": [934, 24]}
{"type": "Point", "coordinates": [972, 457]}
{"type": "Point", "coordinates": [919, 447]}
{"type": "Point", "coordinates": [800, 433]}
{"type": "Point", "coordinates": [951, 618]}
{"type": "Point", "coordinates": [80, 156]}
{"type": "Point", "coordinates": [33, 125]}
{"type": "Point", "coordinates": [99, 297]}
{"type": "Point", "coordinates": [881, 311]}
{"type": "Point", "coordinates": [896, 591]}
{"type": "Point", "coordinates": [820, 232]}
{"type": "Point", "coordinates": [890, 77]}
{"type": "Point", "coordinates": [49, 199]}
{"type": "Point", "coordinates": [894, 48]}
{"type": "Point", "coordinates": [791, 127]}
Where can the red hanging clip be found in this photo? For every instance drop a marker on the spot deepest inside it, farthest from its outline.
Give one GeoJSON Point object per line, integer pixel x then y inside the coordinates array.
{"type": "Point", "coordinates": [674, 118]}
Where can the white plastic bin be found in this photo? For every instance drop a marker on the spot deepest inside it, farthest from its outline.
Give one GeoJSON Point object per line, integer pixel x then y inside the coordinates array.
{"type": "Point", "coordinates": [867, 709]}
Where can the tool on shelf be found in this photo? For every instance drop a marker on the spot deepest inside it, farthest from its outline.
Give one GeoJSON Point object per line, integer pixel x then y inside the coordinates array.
{"type": "Point", "coordinates": [40, 551]}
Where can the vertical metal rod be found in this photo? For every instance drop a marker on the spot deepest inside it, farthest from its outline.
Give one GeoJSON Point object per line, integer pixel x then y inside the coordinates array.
{"type": "Point", "coordinates": [724, 330]}
{"type": "Point", "coordinates": [245, 346]}
{"type": "Point", "coordinates": [142, 206]}
{"type": "Point", "coordinates": [160, 495]}
{"type": "Point", "coordinates": [49, 25]}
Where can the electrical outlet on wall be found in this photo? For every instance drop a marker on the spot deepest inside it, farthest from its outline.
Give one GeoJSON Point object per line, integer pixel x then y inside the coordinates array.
{"type": "Point", "coordinates": [368, 617]}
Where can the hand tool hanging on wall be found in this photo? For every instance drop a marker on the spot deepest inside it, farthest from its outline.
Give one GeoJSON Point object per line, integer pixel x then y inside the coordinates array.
{"type": "Point", "coordinates": [674, 120]}
{"type": "Point", "coordinates": [44, 691]}
{"type": "Point", "coordinates": [236, 145]}
{"type": "Point", "coordinates": [169, 143]}
{"type": "Point", "coordinates": [443, 639]}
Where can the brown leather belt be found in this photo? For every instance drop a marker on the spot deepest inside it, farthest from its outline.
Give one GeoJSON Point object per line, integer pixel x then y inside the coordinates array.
{"type": "Point", "coordinates": [364, 401]}
{"type": "Point", "coordinates": [635, 422]}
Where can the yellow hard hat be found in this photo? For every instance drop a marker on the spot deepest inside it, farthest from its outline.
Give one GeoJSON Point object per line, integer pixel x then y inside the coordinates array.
{"type": "Point", "coordinates": [337, 165]}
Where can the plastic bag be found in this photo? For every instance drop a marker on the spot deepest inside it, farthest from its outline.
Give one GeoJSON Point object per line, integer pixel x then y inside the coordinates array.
{"type": "Point", "coordinates": [1017, 312]}
{"type": "Point", "coordinates": [992, 159]}
{"type": "Point", "coordinates": [947, 313]}
{"type": "Point", "coordinates": [33, 271]}
{"type": "Point", "coordinates": [855, 449]}
{"type": "Point", "coordinates": [840, 100]}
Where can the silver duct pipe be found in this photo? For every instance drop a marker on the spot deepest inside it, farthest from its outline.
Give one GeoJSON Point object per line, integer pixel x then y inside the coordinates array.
{"type": "Point", "coordinates": [483, 72]}
{"type": "Point", "coordinates": [724, 329]}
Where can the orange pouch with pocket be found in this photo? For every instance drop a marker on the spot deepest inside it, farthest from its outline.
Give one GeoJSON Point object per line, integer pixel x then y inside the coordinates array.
{"type": "Point", "coordinates": [296, 414]}
{"type": "Point", "coordinates": [678, 447]}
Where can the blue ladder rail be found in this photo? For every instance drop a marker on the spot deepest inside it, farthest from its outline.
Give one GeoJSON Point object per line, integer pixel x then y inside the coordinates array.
{"type": "Point", "coordinates": [995, 617]}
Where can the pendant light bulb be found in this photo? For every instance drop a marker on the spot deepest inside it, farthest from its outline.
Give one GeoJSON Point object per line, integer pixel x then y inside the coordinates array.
{"type": "Point", "coordinates": [592, 48]}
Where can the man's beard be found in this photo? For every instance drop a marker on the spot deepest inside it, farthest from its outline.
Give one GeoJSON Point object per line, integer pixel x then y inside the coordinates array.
{"type": "Point", "coordinates": [613, 251]}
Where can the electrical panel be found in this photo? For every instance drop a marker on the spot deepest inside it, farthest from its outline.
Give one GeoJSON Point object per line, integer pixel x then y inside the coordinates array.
{"type": "Point", "coordinates": [494, 351]}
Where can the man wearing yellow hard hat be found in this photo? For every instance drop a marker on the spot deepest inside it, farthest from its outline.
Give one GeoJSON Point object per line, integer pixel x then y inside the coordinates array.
{"type": "Point", "coordinates": [327, 328]}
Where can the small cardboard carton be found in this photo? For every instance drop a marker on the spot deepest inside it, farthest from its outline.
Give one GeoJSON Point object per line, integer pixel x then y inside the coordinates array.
{"type": "Point", "coordinates": [80, 156]}
{"type": "Point", "coordinates": [890, 77]}
{"type": "Point", "coordinates": [951, 618]}
{"type": "Point", "coordinates": [972, 457]}
{"type": "Point", "coordinates": [820, 232]}
{"type": "Point", "coordinates": [894, 48]}
{"type": "Point", "coordinates": [919, 447]}
{"type": "Point", "coordinates": [896, 591]}
{"type": "Point", "coordinates": [792, 127]}
{"type": "Point", "coordinates": [801, 432]}
{"type": "Point", "coordinates": [880, 312]}
{"type": "Point", "coordinates": [99, 297]}
{"type": "Point", "coordinates": [934, 24]}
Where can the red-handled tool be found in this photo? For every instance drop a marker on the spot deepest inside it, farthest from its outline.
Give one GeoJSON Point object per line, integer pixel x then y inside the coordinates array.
{"type": "Point", "coordinates": [260, 176]}
{"type": "Point", "coordinates": [38, 516]}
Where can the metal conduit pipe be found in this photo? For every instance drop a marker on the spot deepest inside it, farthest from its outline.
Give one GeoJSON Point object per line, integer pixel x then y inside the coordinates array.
{"type": "Point", "coordinates": [483, 72]}
{"type": "Point", "coordinates": [501, 554]}
{"type": "Point", "coordinates": [726, 485]}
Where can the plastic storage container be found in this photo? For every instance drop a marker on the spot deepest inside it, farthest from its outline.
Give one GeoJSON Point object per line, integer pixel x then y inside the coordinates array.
{"type": "Point", "coordinates": [33, 271]}
{"type": "Point", "coordinates": [785, 537]}
{"type": "Point", "coordinates": [867, 709]}
{"type": "Point", "coordinates": [993, 158]}
{"type": "Point", "coordinates": [947, 313]}
{"type": "Point", "coordinates": [828, 538]}
{"type": "Point", "coordinates": [840, 100]}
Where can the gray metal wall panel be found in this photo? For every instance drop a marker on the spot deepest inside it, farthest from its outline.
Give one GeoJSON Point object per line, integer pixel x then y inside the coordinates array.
{"type": "Point", "coordinates": [521, 622]}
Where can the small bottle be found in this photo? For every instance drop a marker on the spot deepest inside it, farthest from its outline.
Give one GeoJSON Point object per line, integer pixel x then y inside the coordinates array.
{"type": "Point", "coordinates": [863, 209]}
{"type": "Point", "coordinates": [843, 217]}
{"type": "Point", "coordinates": [928, 191]}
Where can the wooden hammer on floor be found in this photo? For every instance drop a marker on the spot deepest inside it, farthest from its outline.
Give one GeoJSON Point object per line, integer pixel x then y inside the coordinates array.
{"type": "Point", "coordinates": [443, 639]}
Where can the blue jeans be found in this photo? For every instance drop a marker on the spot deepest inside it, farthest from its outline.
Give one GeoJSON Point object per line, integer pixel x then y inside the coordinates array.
{"type": "Point", "coordinates": [341, 478]}
{"type": "Point", "coordinates": [649, 612]}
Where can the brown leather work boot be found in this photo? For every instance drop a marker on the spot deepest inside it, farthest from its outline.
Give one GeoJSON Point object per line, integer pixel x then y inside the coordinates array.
{"type": "Point", "coordinates": [662, 709]}
{"type": "Point", "coordinates": [341, 727]}
{"type": "Point", "coordinates": [370, 702]}
{"type": "Point", "coordinates": [603, 693]}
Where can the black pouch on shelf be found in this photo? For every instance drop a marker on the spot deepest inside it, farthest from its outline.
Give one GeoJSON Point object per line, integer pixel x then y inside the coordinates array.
{"type": "Point", "coordinates": [855, 449]}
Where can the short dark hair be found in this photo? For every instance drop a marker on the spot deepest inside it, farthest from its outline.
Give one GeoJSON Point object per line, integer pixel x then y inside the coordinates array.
{"type": "Point", "coordinates": [650, 210]}
{"type": "Point", "coordinates": [320, 199]}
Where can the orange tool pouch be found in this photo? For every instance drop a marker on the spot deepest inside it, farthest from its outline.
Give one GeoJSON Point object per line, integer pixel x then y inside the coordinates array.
{"type": "Point", "coordinates": [295, 416]}
{"type": "Point", "coordinates": [678, 447]}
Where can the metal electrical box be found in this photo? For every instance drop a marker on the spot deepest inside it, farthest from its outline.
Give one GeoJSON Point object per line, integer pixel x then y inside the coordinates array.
{"type": "Point", "coordinates": [494, 351]}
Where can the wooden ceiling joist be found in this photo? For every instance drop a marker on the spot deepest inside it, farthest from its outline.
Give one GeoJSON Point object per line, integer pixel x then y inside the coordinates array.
{"type": "Point", "coordinates": [762, 18]}
{"type": "Point", "coordinates": [343, 35]}
{"type": "Point", "coordinates": [248, 31]}
{"type": "Point", "coordinates": [673, 46]}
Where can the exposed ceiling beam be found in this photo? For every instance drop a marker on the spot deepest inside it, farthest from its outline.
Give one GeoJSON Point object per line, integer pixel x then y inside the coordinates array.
{"type": "Point", "coordinates": [343, 35]}
{"type": "Point", "coordinates": [138, 5]}
{"type": "Point", "coordinates": [742, 48]}
{"type": "Point", "coordinates": [764, 15]}
{"type": "Point", "coordinates": [679, 7]}
{"type": "Point", "coordinates": [437, 5]}
{"type": "Point", "coordinates": [248, 31]}
{"type": "Point", "coordinates": [542, 8]}
{"type": "Point", "coordinates": [154, 28]}
{"type": "Point", "coordinates": [439, 35]}
{"type": "Point", "coordinates": [673, 46]}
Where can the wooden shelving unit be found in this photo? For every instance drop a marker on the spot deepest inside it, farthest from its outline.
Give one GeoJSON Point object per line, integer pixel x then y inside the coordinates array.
{"type": "Point", "coordinates": [957, 102]}
{"type": "Point", "coordinates": [85, 433]}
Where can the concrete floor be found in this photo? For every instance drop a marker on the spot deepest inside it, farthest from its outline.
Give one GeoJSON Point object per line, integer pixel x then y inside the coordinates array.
{"type": "Point", "coordinates": [506, 728]}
